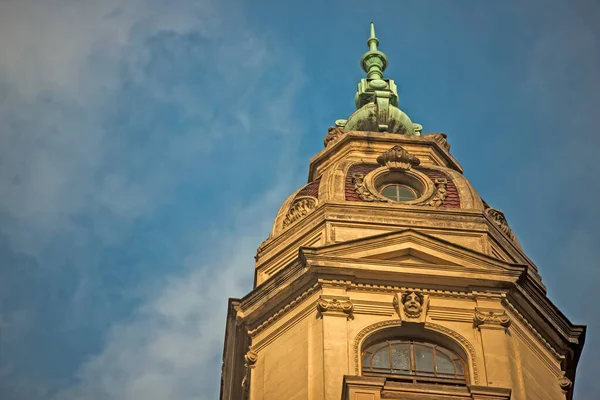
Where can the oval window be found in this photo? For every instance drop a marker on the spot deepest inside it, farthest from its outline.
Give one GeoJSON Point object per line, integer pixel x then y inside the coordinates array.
{"type": "Point", "coordinates": [398, 192]}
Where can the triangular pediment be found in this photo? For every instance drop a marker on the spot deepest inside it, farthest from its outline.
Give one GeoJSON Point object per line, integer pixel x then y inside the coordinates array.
{"type": "Point", "coordinates": [409, 255]}
{"type": "Point", "coordinates": [411, 248]}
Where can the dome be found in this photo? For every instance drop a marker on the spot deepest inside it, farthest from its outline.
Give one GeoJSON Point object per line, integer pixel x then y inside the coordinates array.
{"type": "Point", "coordinates": [368, 118]}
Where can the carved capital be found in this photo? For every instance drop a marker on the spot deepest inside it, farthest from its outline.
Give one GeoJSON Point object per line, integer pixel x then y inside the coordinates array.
{"type": "Point", "coordinates": [565, 383]}
{"type": "Point", "coordinates": [398, 159]}
{"type": "Point", "coordinates": [491, 318]}
{"type": "Point", "coordinates": [335, 306]}
{"type": "Point", "coordinates": [299, 208]}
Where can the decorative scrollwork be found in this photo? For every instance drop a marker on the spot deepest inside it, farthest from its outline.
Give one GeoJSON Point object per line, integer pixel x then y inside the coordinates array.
{"type": "Point", "coordinates": [441, 138]}
{"type": "Point", "coordinates": [565, 383]}
{"type": "Point", "coordinates": [334, 305]}
{"type": "Point", "coordinates": [499, 220]}
{"type": "Point", "coordinates": [299, 208]}
{"type": "Point", "coordinates": [490, 317]}
{"type": "Point", "coordinates": [398, 159]}
{"type": "Point", "coordinates": [441, 192]}
{"type": "Point", "coordinates": [361, 189]}
{"type": "Point", "coordinates": [250, 359]}
{"type": "Point", "coordinates": [333, 134]}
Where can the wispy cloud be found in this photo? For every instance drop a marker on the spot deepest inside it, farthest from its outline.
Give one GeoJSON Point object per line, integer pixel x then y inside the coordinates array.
{"type": "Point", "coordinates": [172, 347]}
{"type": "Point", "coordinates": [113, 114]}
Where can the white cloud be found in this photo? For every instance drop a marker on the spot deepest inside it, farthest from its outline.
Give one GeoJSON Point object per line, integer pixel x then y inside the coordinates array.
{"type": "Point", "coordinates": [172, 348]}
{"type": "Point", "coordinates": [63, 64]}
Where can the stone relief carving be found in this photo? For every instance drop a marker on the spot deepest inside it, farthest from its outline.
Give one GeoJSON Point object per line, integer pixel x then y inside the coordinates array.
{"type": "Point", "coordinates": [411, 306]}
{"type": "Point", "coordinates": [492, 318]}
{"type": "Point", "coordinates": [441, 192]}
{"type": "Point", "coordinates": [499, 220]}
{"type": "Point", "coordinates": [361, 189]}
{"type": "Point", "coordinates": [441, 138]}
{"type": "Point", "coordinates": [260, 248]}
{"type": "Point", "coordinates": [299, 208]}
{"type": "Point", "coordinates": [398, 159]}
{"type": "Point", "coordinates": [334, 305]}
{"type": "Point", "coordinates": [250, 359]}
{"type": "Point", "coordinates": [334, 132]}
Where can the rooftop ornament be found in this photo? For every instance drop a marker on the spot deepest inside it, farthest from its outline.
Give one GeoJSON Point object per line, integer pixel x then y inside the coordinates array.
{"type": "Point", "coordinates": [377, 97]}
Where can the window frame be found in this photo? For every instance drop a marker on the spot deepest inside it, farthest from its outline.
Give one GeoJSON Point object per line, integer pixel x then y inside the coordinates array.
{"type": "Point", "coordinates": [414, 375]}
{"type": "Point", "coordinates": [397, 185]}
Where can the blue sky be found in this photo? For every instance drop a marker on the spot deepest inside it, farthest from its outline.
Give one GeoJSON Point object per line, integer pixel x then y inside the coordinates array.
{"type": "Point", "coordinates": [146, 145]}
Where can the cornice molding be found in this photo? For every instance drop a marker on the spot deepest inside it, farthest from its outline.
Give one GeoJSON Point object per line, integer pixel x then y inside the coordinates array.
{"type": "Point", "coordinates": [279, 313]}
{"type": "Point", "coordinates": [345, 140]}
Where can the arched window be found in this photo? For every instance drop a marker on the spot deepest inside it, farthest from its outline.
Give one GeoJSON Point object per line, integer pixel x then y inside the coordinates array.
{"type": "Point", "coordinates": [414, 361]}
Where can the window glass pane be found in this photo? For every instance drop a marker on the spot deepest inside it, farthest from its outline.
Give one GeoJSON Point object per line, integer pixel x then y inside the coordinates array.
{"type": "Point", "coordinates": [367, 361]}
{"type": "Point", "coordinates": [405, 194]}
{"type": "Point", "coordinates": [401, 358]}
{"type": "Point", "coordinates": [459, 368]}
{"type": "Point", "coordinates": [381, 359]}
{"type": "Point", "coordinates": [424, 360]}
{"type": "Point", "coordinates": [417, 359]}
{"type": "Point", "coordinates": [390, 192]}
{"type": "Point", "coordinates": [444, 364]}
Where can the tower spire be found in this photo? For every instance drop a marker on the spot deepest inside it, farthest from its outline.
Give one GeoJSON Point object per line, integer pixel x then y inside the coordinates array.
{"type": "Point", "coordinates": [373, 62]}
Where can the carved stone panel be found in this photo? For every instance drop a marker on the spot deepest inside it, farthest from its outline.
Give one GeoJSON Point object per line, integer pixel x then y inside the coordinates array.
{"type": "Point", "coordinates": [299, 208]}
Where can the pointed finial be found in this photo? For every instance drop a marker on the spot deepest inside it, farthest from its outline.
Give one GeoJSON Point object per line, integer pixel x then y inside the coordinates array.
{"type": "Point", "coordinates": [376, 99]}
{"type": "Point", "coordinates": [373, 42]}
{"type": "Point", "coordinates": [373, 62]}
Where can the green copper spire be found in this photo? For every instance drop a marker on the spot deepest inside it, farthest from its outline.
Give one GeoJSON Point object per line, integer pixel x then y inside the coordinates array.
{"type": "Point", "coordinates": [377, 98]}
{"type": "Point", "coordinates": [374, 62]}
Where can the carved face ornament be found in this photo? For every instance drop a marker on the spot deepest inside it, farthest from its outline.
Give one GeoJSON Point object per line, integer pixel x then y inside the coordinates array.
{"type": "Point", "coordinates": [413, 304]}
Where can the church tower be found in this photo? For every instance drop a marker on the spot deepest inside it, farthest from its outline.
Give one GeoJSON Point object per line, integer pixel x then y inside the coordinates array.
{"type": "Point", "coordinates": [388, 277]}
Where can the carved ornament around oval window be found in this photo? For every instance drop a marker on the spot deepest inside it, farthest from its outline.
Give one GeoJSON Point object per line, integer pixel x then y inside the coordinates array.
{"type": "Point", "coordinates": [398, 159]}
